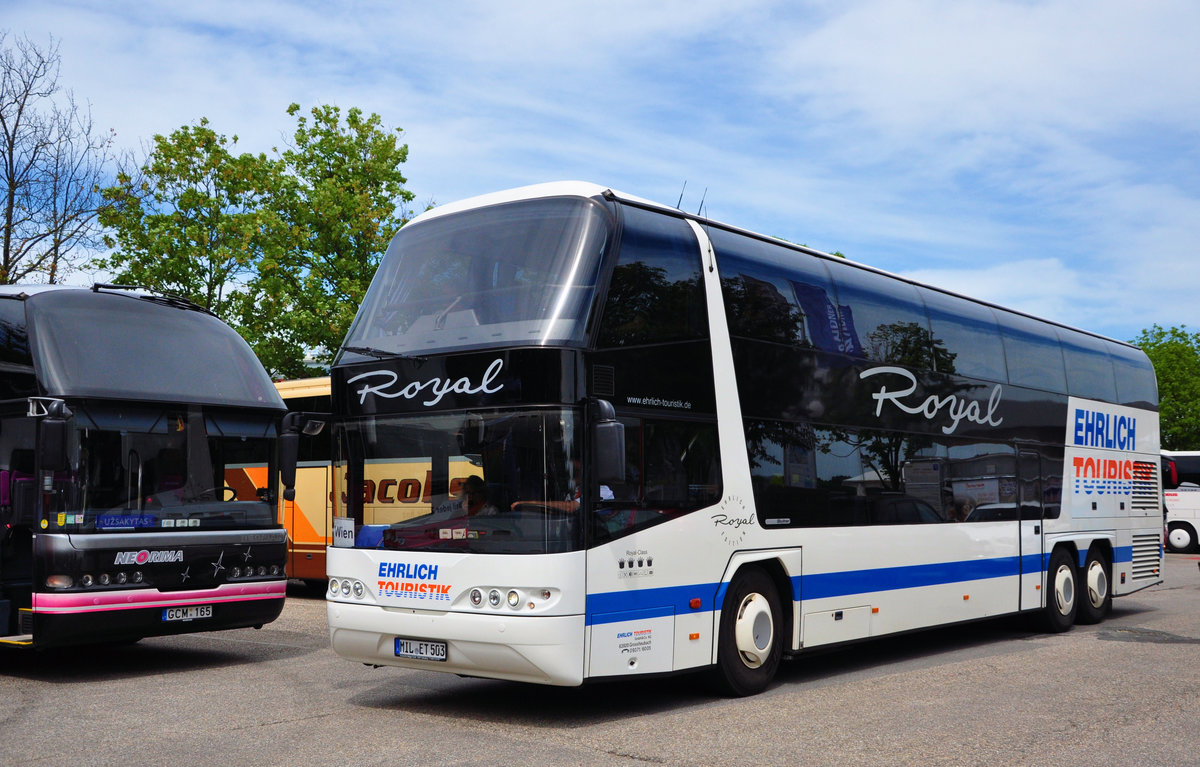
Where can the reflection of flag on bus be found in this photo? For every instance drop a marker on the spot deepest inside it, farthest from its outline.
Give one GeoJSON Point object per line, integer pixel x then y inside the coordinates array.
{"type": "Point", "coordinates": [830, 327]}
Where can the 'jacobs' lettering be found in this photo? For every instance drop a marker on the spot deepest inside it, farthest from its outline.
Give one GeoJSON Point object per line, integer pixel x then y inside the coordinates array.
{"type": "Point", "coordinates": [956, 407]}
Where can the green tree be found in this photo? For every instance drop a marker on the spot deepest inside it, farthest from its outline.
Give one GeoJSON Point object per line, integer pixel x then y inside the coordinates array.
{"type": "Point", "coordinates": [343, 200]}
{"type": "Point", "coordinates": [1175, 353]}
{"type": "Point", "coordinates": [283, 248]}
{"type": "Point", "coordinates": [193, 222]}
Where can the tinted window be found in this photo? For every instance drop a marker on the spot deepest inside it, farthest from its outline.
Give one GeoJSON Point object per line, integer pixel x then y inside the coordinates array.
{"type": "Point", "coordinates": [774, 293]}
{"type": "Point", "coordinates": [1136, 384]}
{"type": "Point", "coordinates": [14, 340]}
{"type": "Point", "coordinates": [969, 334]}
{"type": "Point", "coordinates": [1089, 369]}
{"type": "Point", "coordinates": [656, 294]}
{"type": "Point", "coordinates": [91, 344]}
{"type": "Point", "coordinates": [883, 319]}
{"type": "Point", "coordinates": [672, 467]}
{"type": "Point", "coordinates": [1032, 352]}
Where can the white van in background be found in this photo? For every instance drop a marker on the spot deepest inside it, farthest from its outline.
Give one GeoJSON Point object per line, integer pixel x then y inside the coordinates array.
{"type": "Point", "coordinates": [1181, 499]}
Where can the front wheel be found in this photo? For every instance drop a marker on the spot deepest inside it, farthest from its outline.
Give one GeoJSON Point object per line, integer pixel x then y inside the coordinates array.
{"type": "Point", "coordinates": [1181, 537]}
{"type": "Point", "coordinates": [1096, 599]}
{"type": "Point", "coordinates": [750, 638]}
{"type": "Point", "coordinates": [1061, 600]}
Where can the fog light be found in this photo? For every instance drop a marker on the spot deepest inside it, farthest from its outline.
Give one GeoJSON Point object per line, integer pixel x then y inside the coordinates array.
{"type": "Point", "coordinates": [359, 589]}
{"type": "Point", "coordinates": [105, 579]}
{"type": "Point", "coordinates": [235, 572]}
{"type": "Point", "coordinates": [334, 585]}
{"type": "Point", "coordinates": [274, 569]}
{"type": "Point", "coordinates": [476, 597]}
{"type": "Point", "coordinates": [122, 578]}
{"type": "Point", "coordinates": [87, 580]}
{"type": "Point", "coordinates": [514, 599]}
{"type": "Point", "coordinates": [494, 598]}
{"type": "Point", "coordinates": [262, 570]}
{"type": "Point", "coordinates": [137, 576]}
{"type": "Point", "coordinates": [345, 588]}
{"type": "Point", "coordinates": [60, 582]}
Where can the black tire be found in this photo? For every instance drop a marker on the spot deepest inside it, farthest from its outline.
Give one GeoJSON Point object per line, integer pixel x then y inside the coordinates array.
{"type": "Point", "coordinates": [1095, 592]}
{"type": "Point", "coordinates": [751, 611]}
{"type": "Point", "coordinates": [1062, 593]}
{"type": "Point", "coordinates": [1181, 538]}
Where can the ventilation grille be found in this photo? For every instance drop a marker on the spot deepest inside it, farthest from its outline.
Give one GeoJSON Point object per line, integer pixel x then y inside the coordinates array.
{"type": "Point", "coordinates": [1147, 553]}
{"type": "Point", "coordinates": [604, 380]}
{"type": "Point", "coordinates": [1145, 486]}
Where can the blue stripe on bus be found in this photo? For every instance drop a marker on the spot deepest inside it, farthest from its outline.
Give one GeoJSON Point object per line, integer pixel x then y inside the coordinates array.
{"type": "Point", "coordinates": [614, 606]}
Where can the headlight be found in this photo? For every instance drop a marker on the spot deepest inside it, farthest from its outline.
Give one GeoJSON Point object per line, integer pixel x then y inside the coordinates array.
{"type": "Point", "coordinates": [476, 597]}
{"type": "Point", "coordinates": [60, 582]}
{"type": "Point", "coordinates": [345, 588]}
{"type": "Point", "coordinates": [359, 589]}
{"type": "Point", "coordinates": [334, 586]}
{"type": "Point", "coordinates": [514, 598]}
{"type": "Point", "coordinates": [86, 580]}
{"type": "Point", "coordinates": [494, 598]}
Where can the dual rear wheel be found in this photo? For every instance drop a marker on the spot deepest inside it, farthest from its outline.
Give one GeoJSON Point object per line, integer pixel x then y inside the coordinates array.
{"type": "Point", "coordinates": [1076, 595]}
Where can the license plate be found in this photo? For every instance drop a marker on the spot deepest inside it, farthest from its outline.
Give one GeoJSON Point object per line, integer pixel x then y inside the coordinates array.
{"type": "Point", "coordinates": [420, 649]}
{"type": "Point", "coordinates": [186, 613]}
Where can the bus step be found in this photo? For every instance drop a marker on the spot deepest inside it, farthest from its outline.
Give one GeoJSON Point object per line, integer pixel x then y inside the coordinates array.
{"type": "Point", "coordinates": [23, 640]}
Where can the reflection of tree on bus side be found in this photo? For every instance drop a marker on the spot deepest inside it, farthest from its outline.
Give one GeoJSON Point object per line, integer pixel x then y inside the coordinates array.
{"type": "Point", "coordinates": [644, 306]}
{"type": "Point", "coordinates": [884, 452]}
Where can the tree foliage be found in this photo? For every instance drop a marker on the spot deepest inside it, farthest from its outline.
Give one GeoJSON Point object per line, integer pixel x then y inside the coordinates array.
{"type": "Point", "coordinates": [1175, 353]}
{"type": "Point", "coordinates": [52, 160]}
{"type": "Point", "coordinates": [281, 247]}
{"type": "Point", "coordinates": [193, 221]}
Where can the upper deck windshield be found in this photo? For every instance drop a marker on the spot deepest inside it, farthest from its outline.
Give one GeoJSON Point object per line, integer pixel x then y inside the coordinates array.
{"type": "Point", "coordinates": [522, 273]}
{"type": "Point", "coordinates": [127, 347]}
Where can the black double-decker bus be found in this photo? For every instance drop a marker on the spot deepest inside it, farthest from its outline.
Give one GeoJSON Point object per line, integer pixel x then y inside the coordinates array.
{"type": "Point", "coordinates": [137, 442]}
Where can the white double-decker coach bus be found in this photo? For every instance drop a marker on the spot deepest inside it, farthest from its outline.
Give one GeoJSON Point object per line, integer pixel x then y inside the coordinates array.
{"type": "Point", "coordinates": [581, 436]}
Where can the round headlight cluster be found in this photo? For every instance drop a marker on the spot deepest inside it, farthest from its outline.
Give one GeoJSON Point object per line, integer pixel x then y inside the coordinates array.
{"type": "Point", "coordinates": [87, 580]}
{"type": "Point", "coordinates": [513, 598]}
{"type": "Point", "coordinates": [250, 571]}
{"type": "Point", "coordinates": [344, 587]}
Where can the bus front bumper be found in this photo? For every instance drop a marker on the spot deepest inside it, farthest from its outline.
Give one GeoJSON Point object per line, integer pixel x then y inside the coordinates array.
{"type": "Point", "coordinates": [539, 649]}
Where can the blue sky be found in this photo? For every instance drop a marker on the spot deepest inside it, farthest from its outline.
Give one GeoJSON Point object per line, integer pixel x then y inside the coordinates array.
{"type": "Point", "coordinates": [1041, 155]}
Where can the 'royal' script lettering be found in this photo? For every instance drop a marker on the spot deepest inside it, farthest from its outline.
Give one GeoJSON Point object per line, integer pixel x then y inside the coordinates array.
{"type": "Point", "coordinates": [435, 388]}
{"type": "Point", "coordinates": [955, 407]}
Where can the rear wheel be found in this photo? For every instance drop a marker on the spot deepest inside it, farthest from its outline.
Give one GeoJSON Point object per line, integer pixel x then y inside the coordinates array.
{"type": "Point", "coordinates": [750, 641]}
{"type": "Point", "coordinates": [1095, 601]}
{"type": "Point", "coordinates": [1061, 598]}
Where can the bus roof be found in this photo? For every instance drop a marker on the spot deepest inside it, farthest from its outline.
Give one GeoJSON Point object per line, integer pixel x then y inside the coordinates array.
{"type": "Point", "coordinates": [587, 189]}
{"type": "Point", "coordinates": [303, 387]}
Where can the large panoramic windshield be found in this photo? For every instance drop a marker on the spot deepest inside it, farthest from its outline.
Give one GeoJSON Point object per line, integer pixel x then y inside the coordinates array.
{"type": "Point", "coordinates": [496, 482]}
{"type": "Point", "coordinates": [159, 469]}
{"type": "Point", "coordinates": [517, 274]}
{"type": "Point", "coordinates": [120, 346]}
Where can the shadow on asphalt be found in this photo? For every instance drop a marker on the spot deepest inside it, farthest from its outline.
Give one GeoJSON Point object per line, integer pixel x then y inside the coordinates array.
{"type": "Point", "coordinates": [538, 706]}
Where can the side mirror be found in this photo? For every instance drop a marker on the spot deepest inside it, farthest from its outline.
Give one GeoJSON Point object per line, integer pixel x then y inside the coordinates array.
{"type": "Point", "coordinates": [608, 443]}
{"type": "Point", "coordinates": [289, 453]}
{"type": "Point", "coordinates": [52, 438]}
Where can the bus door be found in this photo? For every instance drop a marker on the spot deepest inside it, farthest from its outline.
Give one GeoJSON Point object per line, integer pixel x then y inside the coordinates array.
{"type": "Point", "coordinates": [1030, 506]}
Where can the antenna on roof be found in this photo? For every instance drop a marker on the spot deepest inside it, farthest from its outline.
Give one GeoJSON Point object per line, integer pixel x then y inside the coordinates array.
{"type": "Point", "coordinates": [681, 191]}
{"type": "Point", "coordinates": [700, 209]}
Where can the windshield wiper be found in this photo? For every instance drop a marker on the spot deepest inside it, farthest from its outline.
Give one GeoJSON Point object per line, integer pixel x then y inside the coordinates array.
{"type": "Point", "coordinates": [370, 351]}
{"type": "Point", "coordinates": [151, 294]}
